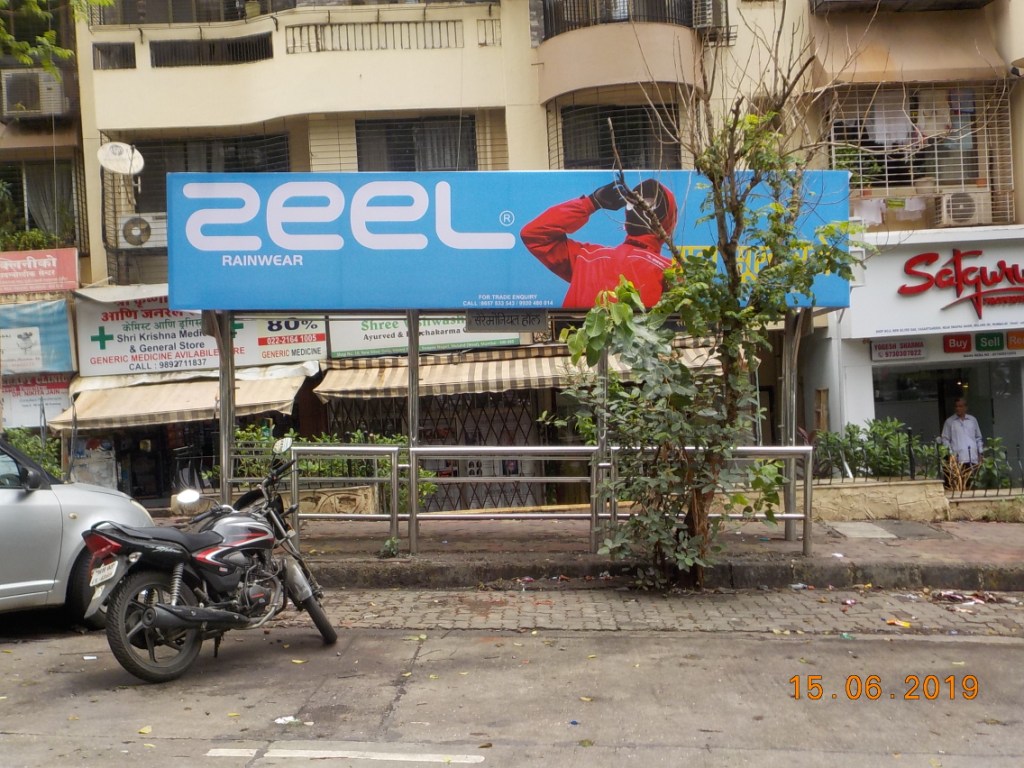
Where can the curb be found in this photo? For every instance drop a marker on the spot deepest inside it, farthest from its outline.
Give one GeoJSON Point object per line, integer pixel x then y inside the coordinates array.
{"type": "Point", "coordinates": [569, 572]}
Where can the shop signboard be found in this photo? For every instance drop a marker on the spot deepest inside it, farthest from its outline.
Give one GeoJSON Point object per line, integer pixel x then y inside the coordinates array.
{"type": "Point", "coordinates": [26, 271]}
{"type": "Point", "coordinates": [35, 338]}
{"type": "Point", "coordinates": [437, 241]}
{"type": "Point", "coordinates": [140, 336]}
{"type": "Point", "coordinates": [389, 335]}
{"type": "Point", "coordinates": [946, 347]}
{"type": "Point", "coordinates": [30, 401]}
{"type": "Point", "coordinates": [944, 282]}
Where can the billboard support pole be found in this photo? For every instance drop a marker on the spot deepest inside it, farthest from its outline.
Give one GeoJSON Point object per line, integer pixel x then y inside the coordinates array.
{"type": "Point", "coordinates": [412, 321]}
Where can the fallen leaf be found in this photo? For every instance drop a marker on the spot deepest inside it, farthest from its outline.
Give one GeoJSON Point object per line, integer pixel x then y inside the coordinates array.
{"type": "Point", "coordinates": [72, 717]}
{"type": "Point", "coordinates": [435, 677]}
{"type": "Point", "coordinates": [298, 661]}
{"type": "Point", "coordinates": [233, 714]}
{"type": "Point", "coordinates": [592, 656]}
{"type": "Point", "coordinates": [586, 698]}
{"type": "Point", "coordinates": [959, 663]}
{"type": "Point", "coordinates": [485, 745]}
{"type": "Point", "coordinates": [586, 743]}
{"type": "Point", "coordinates": [146, 729]}
{"type": "Point", "coordinates": [407, 674]}
{"type": "Point", "coordinates": [149, 746]}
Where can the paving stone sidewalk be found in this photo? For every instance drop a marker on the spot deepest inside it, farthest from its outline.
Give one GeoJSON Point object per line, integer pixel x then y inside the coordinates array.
{"type": "Point", "coordinates": [843, 613]}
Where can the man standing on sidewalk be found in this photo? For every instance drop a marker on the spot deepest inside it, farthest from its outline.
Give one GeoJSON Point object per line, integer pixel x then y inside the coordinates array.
{"type": "Point", "coordinates": [962, 435]}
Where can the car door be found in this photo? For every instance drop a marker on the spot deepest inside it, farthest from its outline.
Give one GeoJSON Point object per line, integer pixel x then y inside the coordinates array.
{"type": "Point", "coordinates": [30, 538]}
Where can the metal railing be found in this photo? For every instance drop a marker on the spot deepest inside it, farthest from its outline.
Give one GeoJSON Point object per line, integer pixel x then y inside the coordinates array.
{"type": "Point", "coordinates": [603, 508]}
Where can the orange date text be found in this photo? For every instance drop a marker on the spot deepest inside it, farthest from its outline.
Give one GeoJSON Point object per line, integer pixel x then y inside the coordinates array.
{"type": "Point", "coordinates": [873, 688]}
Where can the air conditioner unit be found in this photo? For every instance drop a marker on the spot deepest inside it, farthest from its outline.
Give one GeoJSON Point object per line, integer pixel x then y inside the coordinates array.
{"type": "Point", "coordinates": [708, 14]}
{"type": "Point", "coordinates": [142, 230]}
{"type": "Point", "coordinates": [31, 93]}
{"type": "Point", "coordinates": [963, 209]}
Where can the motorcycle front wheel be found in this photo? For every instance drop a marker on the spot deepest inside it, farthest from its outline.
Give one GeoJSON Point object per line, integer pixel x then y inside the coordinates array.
{"type": "Point", "coordinates": [153, 655]}
{"type": "Point", "coordinates": [311, 605]}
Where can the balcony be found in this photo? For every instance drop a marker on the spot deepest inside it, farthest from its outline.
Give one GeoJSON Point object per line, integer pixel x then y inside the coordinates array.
{"type": "Point", "coordinates": [562, 16]}
{"type": "Point", "coordinates": [820, 7]}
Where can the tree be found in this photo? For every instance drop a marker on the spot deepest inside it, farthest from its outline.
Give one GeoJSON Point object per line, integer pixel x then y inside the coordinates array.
{"type": "Point", "coordinates": [745, 128]}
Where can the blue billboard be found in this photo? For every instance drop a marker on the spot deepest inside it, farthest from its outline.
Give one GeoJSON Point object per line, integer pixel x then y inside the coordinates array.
{"type": "Point", "coordinates": [442, 241]}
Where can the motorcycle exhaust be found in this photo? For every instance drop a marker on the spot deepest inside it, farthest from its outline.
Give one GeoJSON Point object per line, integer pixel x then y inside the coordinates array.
{"type": "Point", "coordinates": [190, 617]}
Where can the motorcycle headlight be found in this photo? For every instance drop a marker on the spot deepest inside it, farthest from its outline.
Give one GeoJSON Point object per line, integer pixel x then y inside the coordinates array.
{"type": "Point", "coordinates": [189, 501]}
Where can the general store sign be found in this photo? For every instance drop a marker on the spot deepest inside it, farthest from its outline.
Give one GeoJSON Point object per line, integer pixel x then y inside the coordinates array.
{"type": "Point", "coordinates": [444, 241]}
{"type": "Point", "coordinates": [941, 288]}
{"type": "Point", "coordinates": [146, 336]}
{"type": "Point", "coordinates": [25, 271]}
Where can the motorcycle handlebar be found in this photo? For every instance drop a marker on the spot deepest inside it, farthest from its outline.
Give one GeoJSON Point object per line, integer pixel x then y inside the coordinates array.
{"type": "Point", "coordinates": [277, 472]}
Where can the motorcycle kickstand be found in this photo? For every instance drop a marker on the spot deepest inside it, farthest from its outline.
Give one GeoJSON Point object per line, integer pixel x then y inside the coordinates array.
{"type": "Point", "coordinates": [216, 645]}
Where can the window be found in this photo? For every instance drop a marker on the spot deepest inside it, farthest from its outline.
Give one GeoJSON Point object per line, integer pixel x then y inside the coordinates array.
{"type": "Point", "coordinates": [590, 136]}
{"type": "Point", "coordinates": [417, 144]}
{"type": "Point", "coordinates": [205, 53]}
{"type": "Point", "coordinates": [26, 27]}
{"type": "Point", "coordinates": [113, 55]}
{"type": "Point", "coordinates": [39, 195]}
{"type": "Point", "coordinates": [935, 136]}
{"type": "Point", "coordinates": [245, 154]}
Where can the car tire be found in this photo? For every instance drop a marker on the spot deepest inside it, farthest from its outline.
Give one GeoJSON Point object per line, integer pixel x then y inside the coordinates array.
{"type": "Point", "coordinates": [80, 595]}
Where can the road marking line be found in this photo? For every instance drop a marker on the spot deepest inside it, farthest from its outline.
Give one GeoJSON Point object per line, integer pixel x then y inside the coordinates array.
{"type": "Point", "coordinates": [231, 753]}
{"type": "Point", "coordinates": [358, 754]}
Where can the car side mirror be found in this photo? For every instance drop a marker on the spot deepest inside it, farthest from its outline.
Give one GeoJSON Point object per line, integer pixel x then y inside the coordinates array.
{"type": "Point", "coordinates": [31, 480]}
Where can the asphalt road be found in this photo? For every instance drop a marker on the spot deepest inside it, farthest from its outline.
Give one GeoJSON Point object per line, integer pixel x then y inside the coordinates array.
{"type": "Point", "coordinates": [519, 691]}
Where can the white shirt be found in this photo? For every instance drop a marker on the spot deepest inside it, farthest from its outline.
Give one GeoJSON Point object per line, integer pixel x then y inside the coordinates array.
{"type": "Point", "coordinates": [963, 436]}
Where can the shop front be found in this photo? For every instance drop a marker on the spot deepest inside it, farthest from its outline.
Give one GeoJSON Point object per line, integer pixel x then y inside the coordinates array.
{"type": "Point", "coordinates": [144, 408]}
{"type": "Point", "coordinates": [939, 315]}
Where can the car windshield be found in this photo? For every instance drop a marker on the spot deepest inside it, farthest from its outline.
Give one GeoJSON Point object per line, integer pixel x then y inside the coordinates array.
{"type": "Point", "coordinates": [25, 461]}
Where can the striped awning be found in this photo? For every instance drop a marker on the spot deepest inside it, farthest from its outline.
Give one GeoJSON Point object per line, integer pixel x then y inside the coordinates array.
{"type": "Point", "coordinates": [176, 401]}
{"type": "Point", "coordinates": [491, 371]}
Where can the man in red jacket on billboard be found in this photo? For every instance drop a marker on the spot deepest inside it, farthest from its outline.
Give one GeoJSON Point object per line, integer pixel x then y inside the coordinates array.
{"type": "Point", "coordinates": [590, 269]}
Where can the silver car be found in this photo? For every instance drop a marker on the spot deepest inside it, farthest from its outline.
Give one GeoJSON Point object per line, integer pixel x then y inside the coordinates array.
{"type": "Point", "coordinates": [43, 559]}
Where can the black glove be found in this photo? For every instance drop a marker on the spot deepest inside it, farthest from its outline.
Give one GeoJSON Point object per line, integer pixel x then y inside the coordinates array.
{"type": "Point", "coordinates": [611, 197]}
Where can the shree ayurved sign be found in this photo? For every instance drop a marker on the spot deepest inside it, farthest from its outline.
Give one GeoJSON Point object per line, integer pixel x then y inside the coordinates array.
{"type": "Point", "coordinates": [434, 241]}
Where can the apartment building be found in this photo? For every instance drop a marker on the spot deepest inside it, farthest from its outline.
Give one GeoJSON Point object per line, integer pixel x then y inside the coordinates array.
{"type": "Point", "coordinates": [916, 97]}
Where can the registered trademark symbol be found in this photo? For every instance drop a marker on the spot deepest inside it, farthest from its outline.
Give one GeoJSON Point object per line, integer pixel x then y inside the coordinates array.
{"type": "Point", "coordinates": [507, 218]}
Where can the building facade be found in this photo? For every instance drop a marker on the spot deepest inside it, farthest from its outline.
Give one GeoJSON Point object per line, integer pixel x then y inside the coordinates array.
{"type": "Point", "coordinates": [921, 107]}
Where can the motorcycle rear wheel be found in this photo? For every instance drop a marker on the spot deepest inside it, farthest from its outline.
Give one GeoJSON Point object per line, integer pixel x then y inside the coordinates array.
{"type": "Point", "coordinates": [153, 655]}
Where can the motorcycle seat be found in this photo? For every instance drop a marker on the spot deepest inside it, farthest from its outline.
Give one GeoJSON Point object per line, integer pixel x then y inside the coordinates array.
{"type": "Point", "coordinates": [190, 541]}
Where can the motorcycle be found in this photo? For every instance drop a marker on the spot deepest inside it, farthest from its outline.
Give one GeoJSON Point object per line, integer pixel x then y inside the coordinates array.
{"type": "Point", "coordinates": [167, 589]}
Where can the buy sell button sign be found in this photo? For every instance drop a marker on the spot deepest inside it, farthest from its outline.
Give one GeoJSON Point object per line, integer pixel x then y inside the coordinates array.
{"type": "Point", "coordinates": [988, 342]}
{"type": "Point", "coordinates": [1015, 339]}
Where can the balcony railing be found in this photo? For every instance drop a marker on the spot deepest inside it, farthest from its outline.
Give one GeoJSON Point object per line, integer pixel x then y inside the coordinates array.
{"type": "Point", "coordinates": [562, 16]}
{"type": "Point", "coordinates": [871, 6]}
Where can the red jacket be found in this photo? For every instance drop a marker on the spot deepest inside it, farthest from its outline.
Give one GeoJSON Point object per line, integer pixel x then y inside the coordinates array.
{"type": "Point", "coordinates": [588, 268]}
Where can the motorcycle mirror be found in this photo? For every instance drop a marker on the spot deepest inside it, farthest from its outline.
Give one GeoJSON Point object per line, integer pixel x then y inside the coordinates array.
{"type": "Point", "coordinates": [283, 445]}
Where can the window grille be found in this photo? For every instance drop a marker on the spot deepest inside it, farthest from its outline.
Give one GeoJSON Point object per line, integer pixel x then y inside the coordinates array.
{"type": "Point", "coordinates": [926, 139]}
{"type": "Point", "coordinates": [181, 11]}
{"type": "Point", "coordinates": [491, 418]}
{"type": "Point", "coordinates": [417, 144]}
{"type": "Point", "coordinates": [488, 32]}
{"type": "Point", "coordinates": [113, 55]}
{"type": "Point", "coordinates": [374, 36]}
{"type": "Point", "coordinates": [590, 135]}
{"type": "Point", "coordinates": [205, 53]}
{"type": "Point", "coordinates": [566, 15]}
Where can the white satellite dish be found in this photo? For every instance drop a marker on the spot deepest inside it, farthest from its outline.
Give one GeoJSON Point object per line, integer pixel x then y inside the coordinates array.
{"type": "Point", "coordinates": [118, 157]}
